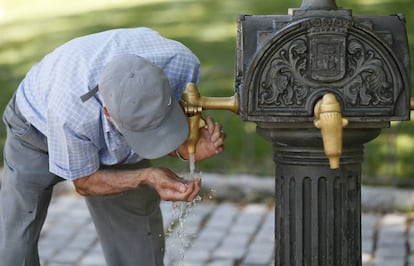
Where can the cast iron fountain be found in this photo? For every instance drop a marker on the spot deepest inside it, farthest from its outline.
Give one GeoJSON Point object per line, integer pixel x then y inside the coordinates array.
{"type": "Point", "coordinates": [320, 83]}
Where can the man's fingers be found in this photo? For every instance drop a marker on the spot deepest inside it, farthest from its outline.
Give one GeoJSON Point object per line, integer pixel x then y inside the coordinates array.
{"type": "Point", "coordinates": [192, 190]}
{"type": "Point", "coordinates": [210, 125]}
{"type": "Point", "coordinates": [196, 190]}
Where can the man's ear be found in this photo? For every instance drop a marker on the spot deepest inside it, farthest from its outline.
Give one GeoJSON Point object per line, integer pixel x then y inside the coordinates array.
{"type": "Point", "coordinates": [108, 117]}
{"type": "Point", "coordinates": [106, 113]}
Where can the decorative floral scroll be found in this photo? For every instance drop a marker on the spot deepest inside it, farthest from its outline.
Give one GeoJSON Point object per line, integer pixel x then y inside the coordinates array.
{"type": "Point", "coordinates": [328, 56]}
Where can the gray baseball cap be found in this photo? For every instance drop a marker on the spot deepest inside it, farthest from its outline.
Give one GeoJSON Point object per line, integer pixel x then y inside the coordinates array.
{"type": "Point", "coordinates": [141, 103]}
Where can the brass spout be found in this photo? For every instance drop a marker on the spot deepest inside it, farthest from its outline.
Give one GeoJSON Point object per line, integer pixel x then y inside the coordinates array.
{"type": "Point", "coordinates": [193, 104]}
{"type": "Point", "coordinates": [329, 119]}
{"type": "Point", "coordinates": [195, 122]}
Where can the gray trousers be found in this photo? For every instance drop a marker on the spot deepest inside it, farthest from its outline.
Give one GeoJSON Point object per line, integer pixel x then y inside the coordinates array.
{"type": "Point", "coordinates": [129, 225]}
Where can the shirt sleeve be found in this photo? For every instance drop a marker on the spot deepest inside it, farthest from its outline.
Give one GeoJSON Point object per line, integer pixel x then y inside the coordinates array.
{"type": "Point", "coordinates": [72, 138]}
{"type": "Point", "coordinates": [72, 156]}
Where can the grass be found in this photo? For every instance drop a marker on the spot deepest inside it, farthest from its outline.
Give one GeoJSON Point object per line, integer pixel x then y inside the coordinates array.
{"type": "Point", "coordinates": [208, 27]}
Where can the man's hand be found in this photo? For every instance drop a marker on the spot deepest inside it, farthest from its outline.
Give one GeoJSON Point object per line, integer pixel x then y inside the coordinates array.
{"type": "Point", "coordinates": [171, 187]}
{"type": "Point", "coordinates": [210, 142]}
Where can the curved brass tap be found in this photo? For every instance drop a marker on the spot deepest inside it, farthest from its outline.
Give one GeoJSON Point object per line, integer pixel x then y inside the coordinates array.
{"type": "Point", "coordinates": [193, 104]}
{"type": "Point", "coordinates": [329, 119]}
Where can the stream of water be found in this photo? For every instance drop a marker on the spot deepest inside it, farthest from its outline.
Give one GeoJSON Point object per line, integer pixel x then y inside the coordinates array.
{"type": "Point", "coordinates": [191, 162]}
{"type": "Point", "coordinates": [181, 210]}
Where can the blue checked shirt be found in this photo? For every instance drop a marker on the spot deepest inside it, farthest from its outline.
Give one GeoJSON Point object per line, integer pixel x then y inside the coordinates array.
{"type": "Point", "coordinates": [80, 138]}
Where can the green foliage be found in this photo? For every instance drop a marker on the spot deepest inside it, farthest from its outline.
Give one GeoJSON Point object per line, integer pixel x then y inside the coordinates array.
{"type": "Point", "coordinates": [209, 28]}
{"type": "Point", "coordinates": [389, 157]}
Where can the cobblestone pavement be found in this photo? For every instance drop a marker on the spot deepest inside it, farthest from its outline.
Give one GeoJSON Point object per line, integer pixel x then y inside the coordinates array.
{"type": "Point", "coordinates": [211, 234]}
{"type": "Point", "coordinates": [215, 234]}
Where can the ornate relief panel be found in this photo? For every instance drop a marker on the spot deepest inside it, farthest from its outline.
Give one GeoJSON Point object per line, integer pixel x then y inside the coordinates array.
{"type": "Point", "coordinates": [296, 65]}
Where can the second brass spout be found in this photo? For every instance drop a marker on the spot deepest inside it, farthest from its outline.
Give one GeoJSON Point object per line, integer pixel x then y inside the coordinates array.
{"type": "Point", "coordinates": [193, 104]}
{"type": "Point", "coordinates": [328, 119]}
{"type": "Point", "coordinates": [195, 122]}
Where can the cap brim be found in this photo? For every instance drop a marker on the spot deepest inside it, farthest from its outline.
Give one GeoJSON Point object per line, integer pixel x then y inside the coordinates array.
{"type": "Point", "coordinates": [155, 143]}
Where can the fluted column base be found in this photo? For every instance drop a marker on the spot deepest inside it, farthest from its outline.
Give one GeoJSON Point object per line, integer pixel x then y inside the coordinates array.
{"type": "Point", "coordinates": [318, 210]}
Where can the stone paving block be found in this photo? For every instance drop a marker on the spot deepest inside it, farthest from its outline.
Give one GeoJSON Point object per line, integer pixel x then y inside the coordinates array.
{"type": "Point", "coordinates": [166, 210]}
{"type": "Point", "coordinates": [368, 225]}
{"type": "Point", "coordinates": [59, 264]}
{"type": "Point", "coordinates": [366, 259]}
{"type": "Point", "coordinates": [264, 235]}
{"type": "Point", "coordinates": [269, 219]}
{"type": "Point", "coordinates": [249, 216]}
{"type": "Point", "coordinates": [175, 248]}
{"type": "Point", "coordinates": [411, 238]}
{"type": "Point", "coordinates": [68, 256]}
{"type": "Point", "coordinates": [75, 219]}
{"type": "Point", "coordinates": [411, 242]}
{"type": "Point", "coordinates": [367, 245]}
{"type": "Point", "coordinates": [189, 263]}
{"type": "Point", "coordinates": [194, 219]}
{"type": "Point", "coordinates": [93, 260]}
{"type": "Point", "coordinates": [258, 254]}
{"type": "Point", "coordinates": [266, 232]}
{"type": "Point", "coordinates": [393, 228]}
{"type": "Point", "coordinates": [370, 219]}
{"type": "Point", "coordinates": [191, 232]}
{"type": "Point", "coordinates": [57, 238]}
{"type": "Point", "coordinates": [206, 245]}
{"type": "Point", "coordinates": [390, 251]}
{"type": "Point", "coordinates": [262, 248]}
{"type": "Point", "coordinates": [263, 239]}
{"type": "Point", "coordinates": [390, 262]}
{"type": "Point", "coordinates": [397, 244]}
{"type": "Point", "coordinates": [410, 260]}
{"type": "Point", "coordinates": [255, 260]}
{"type": "Point", "coordinates": [223, 216]}
{"type": "Point", "coordinates": [94, 257]}
{"type": "Point", "coordinates": [245, 228]}
{"type": "Point", "coordinates": [229, 252]}
{"type": "Point", "coordinates": [197, 255]}
{"type": "Point", "coordinates": [392, 225]}
{"type": "Point", "coordinates": [389, 237]}
{"type": "Point", "coordinates": [212, 234]}
{"type": "Point", "coordinates": [204, 208]}
{"type": "Point", "coordinates": [46, 252]}
{"type": "Point", "coordinates": [221, 263]}
{"type": "Point", "coordinates": [236, 240]}
{"type": "Point", "coordinates": [255, 208]}
{"type": "Point", "coordinates": [173, 259]}
{"type": "Point", "coordinates": [391, 219]}
{"type": "Point", "coordinates": [83, 240]}
{"type": "Point", "coordinates": [386, 236]}
{"type": "Point", "coordinates": [248, 219]}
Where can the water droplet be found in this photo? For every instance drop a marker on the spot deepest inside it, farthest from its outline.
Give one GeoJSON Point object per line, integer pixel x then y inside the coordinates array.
{"type": "Point", "coordinates": [212, 194]}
